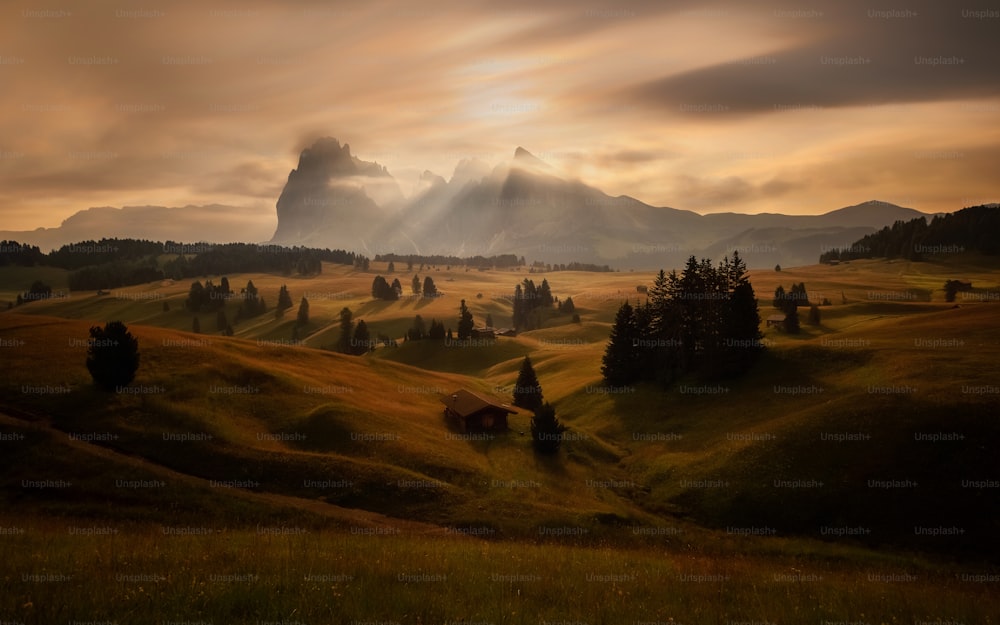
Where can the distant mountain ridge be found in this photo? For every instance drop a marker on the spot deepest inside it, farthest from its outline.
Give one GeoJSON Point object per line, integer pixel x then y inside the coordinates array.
{"type": "Point", "coordinates": [333, 199]}
{"type": "Point", "coordinates": [217, 223]}
{"type": "Point", "coordinates": [525, 207]}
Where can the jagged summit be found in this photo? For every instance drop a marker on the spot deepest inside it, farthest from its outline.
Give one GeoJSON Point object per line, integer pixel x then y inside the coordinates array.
{"type": "Point", "coordinates": [524, 159]}
{"type": "Point", "coordinates": [329, 190]}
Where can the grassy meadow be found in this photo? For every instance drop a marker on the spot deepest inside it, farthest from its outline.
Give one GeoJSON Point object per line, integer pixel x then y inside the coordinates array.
{"type": "Point", "coordinates": [849, 477]}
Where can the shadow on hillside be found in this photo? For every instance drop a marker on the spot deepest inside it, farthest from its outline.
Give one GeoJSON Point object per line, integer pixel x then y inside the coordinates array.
{"type": "Point", "coordinates": [424, 301]}
{"type": "Point", "coordinates": [554, 464]}
{"type": "Point", "coordinates": [372, 307]}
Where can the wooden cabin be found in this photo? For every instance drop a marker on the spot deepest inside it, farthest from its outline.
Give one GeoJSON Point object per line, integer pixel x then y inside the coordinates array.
{"type": "Point", "coordinates": [473, 413]}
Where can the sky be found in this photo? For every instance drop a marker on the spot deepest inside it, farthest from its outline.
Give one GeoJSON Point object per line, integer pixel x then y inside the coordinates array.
{"type": "Point", "coordinates": [781, 106]}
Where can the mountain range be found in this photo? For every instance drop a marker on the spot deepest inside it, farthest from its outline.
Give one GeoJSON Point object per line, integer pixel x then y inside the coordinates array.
{"type": "Point", "coordinates": [524, 206]}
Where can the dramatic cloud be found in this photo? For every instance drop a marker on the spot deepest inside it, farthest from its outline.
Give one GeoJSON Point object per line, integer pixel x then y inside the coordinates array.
{"type": "Point", "coordinates": [737, 106]}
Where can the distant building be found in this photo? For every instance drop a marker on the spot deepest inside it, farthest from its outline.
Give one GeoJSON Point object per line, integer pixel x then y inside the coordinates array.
{"type": "Point", "coordinates": [775, 320]}
{"type": "Point", "coordinates": [473, 413]}
{"type": "Point", "coordinates": [484, 333]}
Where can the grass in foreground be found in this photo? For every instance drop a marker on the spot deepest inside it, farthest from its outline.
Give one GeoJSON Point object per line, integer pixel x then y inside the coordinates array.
{"type": "Point", "coordinates": [57, 573]}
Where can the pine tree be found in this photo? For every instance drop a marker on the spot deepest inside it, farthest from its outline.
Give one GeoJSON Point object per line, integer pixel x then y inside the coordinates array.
{"type": "Point", "coordinates": [792, 321]}
{"type": "Point", "coordinates": [415, 285]}
{"type": "Point", "coordinates": [465, 322]}
{"type": "Point", "coordinates": [381, 289]}
{"type": "Point", "coordinates": [546, 431]}
{"type": "Point", "coordinates": [303, 316]}
{"type": "Point", "coordinates": [742, 345]}
{"type": "Point", "coordinates": [429, 289]}
{"type": "Point", "coordinates": [568, 306]}
{"type": "Point", "coordinates": [545, 294]}
{"type": "Point", "coordinates": [397, 288]}
{"type": "Point", "coordinates": [251, 305]}
{"type": "Point", "coordinates": [436, 332]}
{"type": "Point", "coordinates": [813, 315]}
{"type": "Point", "coordinates": [361, 342]}
{"type": "Point", "coordinates": [196, 297]}
{"type": "Point", "coordinates": [517, 319]}
{"type": "Point", "coordinates": [418, 330]}
{"type": "Point", "coordinates": [224, 285]}
{"type": "Point", "coordinates": [779, 298]}
{"type": "Point", "coordinates": [346, 331]}
{"type": "Point", "coordinates": [527, 390]}
{"type": "Point", "coordinates": [391, 268]}
{"type": "Point", "coordinates": [112, 355]}
{"type": "Point", "coordinates": [284, 299]}
{"type": "Point", "coordinates": [618, 364]}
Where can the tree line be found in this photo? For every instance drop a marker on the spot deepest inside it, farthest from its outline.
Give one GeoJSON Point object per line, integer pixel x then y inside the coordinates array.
{"type": "Point", "coordinates": [971, 229]}
{"type": "Point", "coordinates": [499, 261]}
{"type": "Point", "coordinates": [111, 263]}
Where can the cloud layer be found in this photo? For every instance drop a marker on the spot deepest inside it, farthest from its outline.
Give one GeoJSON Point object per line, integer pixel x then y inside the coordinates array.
{"type": "Point", "coordinates": [746, 107]}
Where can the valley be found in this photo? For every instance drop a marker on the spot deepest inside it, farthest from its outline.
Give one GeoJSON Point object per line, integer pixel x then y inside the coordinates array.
{"type": "Point", "coordinates": [854, 451]}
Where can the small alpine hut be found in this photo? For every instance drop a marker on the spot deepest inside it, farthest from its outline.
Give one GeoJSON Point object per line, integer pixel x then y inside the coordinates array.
{"type": "Point", "coordinates": [775, 320]}
{"type": "Point", "coordinates": [473, 413]}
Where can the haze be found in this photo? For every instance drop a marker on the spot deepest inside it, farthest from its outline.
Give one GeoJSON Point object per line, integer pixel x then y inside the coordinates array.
{"type": "Point", "coordinates": [746, 107]}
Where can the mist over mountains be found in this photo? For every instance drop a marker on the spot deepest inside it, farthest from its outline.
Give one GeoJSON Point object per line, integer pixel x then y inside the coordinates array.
{"type": "Point", "coordinates": [523, 206]}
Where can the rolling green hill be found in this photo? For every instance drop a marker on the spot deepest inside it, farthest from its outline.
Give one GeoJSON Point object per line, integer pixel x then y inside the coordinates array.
{"type": "Point", "coordinates": [872, 430]}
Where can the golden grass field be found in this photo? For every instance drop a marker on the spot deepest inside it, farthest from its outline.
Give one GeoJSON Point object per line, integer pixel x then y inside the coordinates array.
{"type": "Point", "coordinates": [350, 460]}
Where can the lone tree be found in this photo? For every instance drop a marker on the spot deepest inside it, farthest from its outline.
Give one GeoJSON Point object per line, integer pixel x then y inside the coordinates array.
{"type": "Point", "coordinates": [346, 331]}
{"type": "Point", "coordinates": [112, 355]}
{"type": "Point", "coordinates": [527, 390]}
{"type": "Point", "coordinates": [415, 285]}
{"type": "Point", "coordinates": [465, 323]}
{"type": "Point", "coordinates": [284, 299]}
{"type": "Point", "coordinates": [362, 341]}
{"type": "Point", "coordinates": [546, 431]}
{"type": "Point", "coordinates": [430, 290]}
{"type": "Point", "coordinates": [814, 315]}
{"type": "Point", "coordinates": [303, 316]}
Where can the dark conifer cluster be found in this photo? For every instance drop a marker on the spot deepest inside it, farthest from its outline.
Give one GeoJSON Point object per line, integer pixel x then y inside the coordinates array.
{"type": "Point", "coordinates": [703, 321]}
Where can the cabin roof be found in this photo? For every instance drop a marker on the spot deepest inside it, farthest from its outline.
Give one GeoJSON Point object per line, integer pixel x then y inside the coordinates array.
{"type": "Point", "coordinates": [465, 403]}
